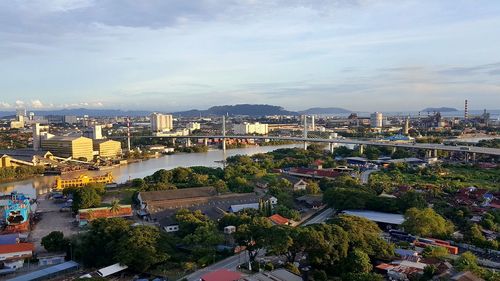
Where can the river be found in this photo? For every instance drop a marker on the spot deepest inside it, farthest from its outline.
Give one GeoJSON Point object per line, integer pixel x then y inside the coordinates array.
{"type": "Point", "coordinates": [41, 184]}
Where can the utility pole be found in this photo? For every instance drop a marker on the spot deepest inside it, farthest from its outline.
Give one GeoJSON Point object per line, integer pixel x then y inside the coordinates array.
{"type": "Point", "coordinates": [224, 134]}
{"type": "Point", "coordinates": [128, 133]}
{"type": "Point", "coordinates": [305, 132]}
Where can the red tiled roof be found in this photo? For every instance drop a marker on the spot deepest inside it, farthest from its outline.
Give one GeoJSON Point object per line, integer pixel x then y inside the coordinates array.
{"type": "Point", "coordinates": [15, 248]}
{"type": "Point", "coordinates": [124, 211]}
{"type": "Point", "coordinates": [384, 266]}
{"type": "Point", "coordinates": [277, 219]}
{"type": "Point", "coordinates": [221, 275]}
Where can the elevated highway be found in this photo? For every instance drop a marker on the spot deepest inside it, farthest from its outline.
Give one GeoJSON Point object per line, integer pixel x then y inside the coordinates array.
{"type": "Point", "coordinates": [423, 146]}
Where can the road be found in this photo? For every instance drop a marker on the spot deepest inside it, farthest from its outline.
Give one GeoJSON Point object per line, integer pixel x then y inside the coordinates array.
{"type": "Point", "coordinates": [321, 217]}
{"type": "Point", "coordinates": [366, 175]}
{"type": "Point", "coordinates": [230, 263]}
{"type": "Point", "coordinates": [427, 146]}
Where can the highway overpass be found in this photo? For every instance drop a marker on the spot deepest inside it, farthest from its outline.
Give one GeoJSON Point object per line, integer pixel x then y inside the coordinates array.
{"type": "Point", "coordinates": [423, 146]}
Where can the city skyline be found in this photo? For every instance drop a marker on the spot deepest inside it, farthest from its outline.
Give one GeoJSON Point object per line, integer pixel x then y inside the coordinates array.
{"type": "Point", "coordinates": [174, 56]}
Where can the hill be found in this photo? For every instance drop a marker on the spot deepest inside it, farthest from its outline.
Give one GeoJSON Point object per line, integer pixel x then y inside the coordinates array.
{"type": "Point", "coordinates": [239, 109]}
{"type": "Point", "coordinates": [439, 109]}
{"type": "Point", "coordinates": [325, 110]}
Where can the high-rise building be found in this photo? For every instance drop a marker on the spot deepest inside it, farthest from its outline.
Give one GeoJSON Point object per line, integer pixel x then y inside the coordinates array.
{"type": "Point", "coordinates": [376, 120]}
{"type": "Point", "coordinates": [161, 122]}
{"type": "Point", "coordinates": [251, 128]}
{"type": "Point", "coordinates": [406, 128]}
{"type": "Point", "coordinates": [94, 132]}
{"type": "Point", "coordinates": [39, 132]}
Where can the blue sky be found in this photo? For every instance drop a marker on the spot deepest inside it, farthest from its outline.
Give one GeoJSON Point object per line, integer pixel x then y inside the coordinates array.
{"type": "Point", "coordinates": [175, 55]}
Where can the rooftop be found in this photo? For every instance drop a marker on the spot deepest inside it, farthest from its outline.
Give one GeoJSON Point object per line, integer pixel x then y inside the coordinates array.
{"type": "Point", "coordinates": [175, 194]}
{"type": "Point", "coordinates": [14, 248]}
{"type": "Point", "coordinates": [221, 275]}
{"type": "Point", "coordinates": [377, 216]}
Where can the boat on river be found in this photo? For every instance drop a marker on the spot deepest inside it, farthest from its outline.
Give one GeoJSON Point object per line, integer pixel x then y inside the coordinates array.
{"type": "Point", "coordinates": [83, 180]}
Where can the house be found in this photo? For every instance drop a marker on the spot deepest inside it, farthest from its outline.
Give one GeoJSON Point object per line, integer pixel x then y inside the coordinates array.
{"type": "Point", "coordinates": [229, 229]}
{"type": "Point", "coordinates": [402, 270]}
{"type": "Point", "coordinates": [221, 275]}
{"type": "Point", "coordinates": [273, 200]}
{"type": "Point", "coordinates": [50, 258]}
{"type": "Point", "coordinates": [297, 183]}
{"type": "Point", "coordinates": [276, 219]}
{"type": "Point", "coordinates": [314, 201]}
{"type": "Point", "coordinates": [169, 224]}
{"type": "Point", "coordinates": [13, 255]}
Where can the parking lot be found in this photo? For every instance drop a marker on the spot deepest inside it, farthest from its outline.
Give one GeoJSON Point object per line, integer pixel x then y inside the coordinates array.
{"type": "Point", "coordinates": [51, 219]}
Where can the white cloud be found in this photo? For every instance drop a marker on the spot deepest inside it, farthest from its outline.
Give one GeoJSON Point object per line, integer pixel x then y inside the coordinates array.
{"type": "Point", "coordinates": [4, 105]}
{"type": "Point", "coordinates": [36, 104]}
{"type": "Point", "coordinates": [19, 103]}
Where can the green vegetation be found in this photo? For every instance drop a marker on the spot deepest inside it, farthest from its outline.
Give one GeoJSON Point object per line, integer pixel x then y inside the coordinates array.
{"type": "Point", "coordinates": [55, 242]}
{"type": "Point", "coordinates": [20, 172]}
{"type": "Point", "coordinates": [426, 222]}
{"type": "Point", "coordinates": [440, 177]}
{"type": "Point", "coordinates": [192, 149]}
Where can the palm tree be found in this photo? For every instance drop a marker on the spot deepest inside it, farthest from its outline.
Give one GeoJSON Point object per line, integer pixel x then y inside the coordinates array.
{"type": "Point", "coordinates": [115, 206]}
{"type": "Point", "coordinates": [90, 215]}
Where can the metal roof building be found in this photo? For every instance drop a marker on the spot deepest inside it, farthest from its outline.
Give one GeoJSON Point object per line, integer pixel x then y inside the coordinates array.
{"type": "Point", "coordinates": [48, 272]}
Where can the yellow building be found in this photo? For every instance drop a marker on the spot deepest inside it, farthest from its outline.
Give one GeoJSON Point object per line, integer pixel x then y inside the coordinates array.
{"type": "Point", "coordinates": [75, 147]}
{"type": "Point", "coordinates": [83, 180]}
{"type": "Point", "coordinates": [108, 148]}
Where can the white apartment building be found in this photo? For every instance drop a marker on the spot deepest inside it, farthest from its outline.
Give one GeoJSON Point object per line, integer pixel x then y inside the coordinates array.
{"type": "Point", "coordinates": [251, 128]}
{"type": "Point", "coordinates": [161, 122]}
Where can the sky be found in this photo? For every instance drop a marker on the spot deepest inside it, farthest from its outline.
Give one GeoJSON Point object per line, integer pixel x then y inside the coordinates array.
{"type": "Point", "coordinates": [371, 55]}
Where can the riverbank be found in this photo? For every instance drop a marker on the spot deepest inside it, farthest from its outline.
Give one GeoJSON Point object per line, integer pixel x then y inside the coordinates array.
{"type": "Point", "coordinates": [39, 185]}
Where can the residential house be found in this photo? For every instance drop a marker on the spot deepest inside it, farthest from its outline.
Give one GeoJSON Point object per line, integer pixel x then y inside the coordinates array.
{"type": "Point", "coordinates": [13, 255]}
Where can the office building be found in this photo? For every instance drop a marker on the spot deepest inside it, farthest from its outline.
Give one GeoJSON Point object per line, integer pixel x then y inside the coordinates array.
{"type": "Point", "coordinates": [94, 132]}
{"type": "Point", "coordinates": [39, 132]}
{"type": "Point", "coordinates": [66, 146]}
{"type": "Point", "coordinates": [251, 128]}
{"type": "Point", "coordinates": [108, 148]}
{"type": "Point", "coordinates": [70, 119]}
{"type": "Point", "coordinates": [376, 120]}
{"type": "Point", "coordinates": [161, 122]}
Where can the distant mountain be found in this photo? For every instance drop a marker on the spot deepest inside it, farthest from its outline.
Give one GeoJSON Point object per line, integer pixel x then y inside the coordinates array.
{"type": "Point", "coordinates": [439, 109]}
{"type": "Point", "coordinates": [238, 109]}
{"type": "Point", "coordinates": [325, 110]}
{"type": "Point", "coordinates": [83, 111]}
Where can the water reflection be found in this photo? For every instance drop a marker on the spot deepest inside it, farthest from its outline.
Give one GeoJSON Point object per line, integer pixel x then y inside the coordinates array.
{"type": "Point", "coordinates": [40, 185]}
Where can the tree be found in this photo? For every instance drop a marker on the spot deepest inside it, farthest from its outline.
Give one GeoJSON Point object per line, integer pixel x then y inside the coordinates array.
{"type": "Point", "coordinates": [429, 272]}
{"type": "Point", "coordinates": [435, 252]}
{"type": "Point", "coordinates": [357, 261]}
{"type": "Point", "coordinates": [254, 236]}
{"type": "Point", "coordinates": [55, 242]}
{"type": "Point", "coordinates": [139, 248]}
{"type": "Point", "coordinates": [99, 245]}
{"type": "Point", "coordinates": [426, 222]}
{"type": "Point", "coordinates": [364, 234]}
{"type": "Point", "coordinates": [139, 184]}
{"type": "Point", "coordinates": [466, 261]}
{"type": "Point", "coordinates": [412, 199]}
{"type": "Point", "coordinates": [313, 188]}
{"type": "Point", "coordinates": [325, 245]}
{"type": "Point", "coordinates": [362, 277]}
{"type": "Point", "coordinates": [115, 206]}
{"type": "Point", "coordinates": [85, 198]}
